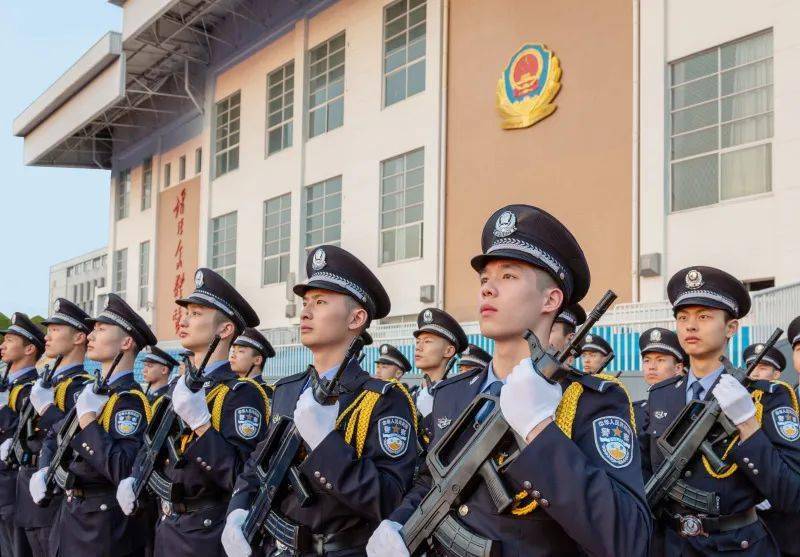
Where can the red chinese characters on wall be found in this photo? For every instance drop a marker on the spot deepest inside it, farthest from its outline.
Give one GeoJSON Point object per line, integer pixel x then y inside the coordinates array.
{"type": "Point", "coordinates": [180, 275]}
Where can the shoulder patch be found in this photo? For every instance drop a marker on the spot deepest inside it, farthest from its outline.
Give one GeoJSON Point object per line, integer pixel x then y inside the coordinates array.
{"type": "Point", "coordinates": [786, 423]}
{"type": "Point", "coordinates": [248, 422]}
{"type": "Point", "coordinates": [394, 433]}
{"type": "Point", "coordinates": [614, 440]}
{"type": "Point", "coordinates": [126, 422]}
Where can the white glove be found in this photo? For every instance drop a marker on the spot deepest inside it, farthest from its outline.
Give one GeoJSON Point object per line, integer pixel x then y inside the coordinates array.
{"type": "Point", "coordinates": [125, 496]}
{"type": "Point", "coordinates": [734, 399]}
{"type": "Point", "coordinates": [191, 407]}
{"type": "Point", "coordinates": [313, 420]}
{"type": "Point", "coordinates": [764, 505]}
{"type": "Point", "coordinates": [5, 449]}
{"type": "Point", "coordinates": [37, 487]}
{"type": "Point", "coordinates": [88, 401]}
{"type": "Point", "coordinates": [527, 398]}
{"type": "Point", "coordinates": [232, 537]}
{"type": "Point", "coordinates": [386, 541]}
{"type": "Point", "coordinates": [424, 402]}
{"type": "Point", "coordinates": [40, 397]}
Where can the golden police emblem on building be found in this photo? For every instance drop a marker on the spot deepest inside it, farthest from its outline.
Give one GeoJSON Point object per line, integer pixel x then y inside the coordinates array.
{"type": "Point", "coordinates": [528, 85]}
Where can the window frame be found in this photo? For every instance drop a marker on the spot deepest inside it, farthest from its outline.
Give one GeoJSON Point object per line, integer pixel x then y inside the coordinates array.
{"type": "Point", "coordinates": [224, 269]}
{"type": "Point", "coordinates": [119, 283]}
{"type": "Point", "coordinates": [405, 226]}
{"type": "Point", "coordinates": [281, 253]}
{"type": "Point", "coordinates": [404, 67]}
{"type": "Point", "coordinates": [229, 148]}
{"type": "Point", "coordinates": [147, 184]}
{"type": "Point", "coordinates": [287, 139]}
{"type": "Point", "coordinates": [122, 195]}
{"type": "Point", "coordinates": [144, 273]}
{"type": "Point", "coordinates": [328, 101]}
{"type": "Point", "coordinates": [306, 216]}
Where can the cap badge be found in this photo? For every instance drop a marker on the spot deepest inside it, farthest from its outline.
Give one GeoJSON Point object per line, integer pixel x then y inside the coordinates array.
{"type": "Point", "coordinates": [198, 279]}
{"type": "Point", "coordinates": [384, 349]}
{"type": "Point", "coordinates": [655, 336]}
{"type": "Point", "coordinates": [318, 261]}
{"type": "Point", "coordinates": [589, 338]}
{"type": "Point", "coordinates": [505, 225]}
{"type": "Point", "coordinates": [427, 316]}
{"type": "Point", "coordinates": [694, 279]}
{"type": "Point", "coordinates": [57, 306]}
{"type": "Point", "coordinates": [759, 348]}
{"type": "Point", "coordinates": [14, 319]}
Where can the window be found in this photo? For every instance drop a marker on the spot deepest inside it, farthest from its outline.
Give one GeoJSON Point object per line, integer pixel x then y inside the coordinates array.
{"type": "Point", "coordinates": [721, 123]}
{"type": "Point", "coordinates": [324, 213]}
{"type": "Point", "coordinates": [144, 273]}
{"type": "Point", "coordinates": [182, 168]}
{"type": "Point", "coordinates": [755, 285]}
{"type": "Point", "coordinates": [280, 108]}
{"type": "Point", "coordinates": [402, 185]}
{"type": "Point", "coordinates": [123, 192]}
{"type": "Point", "coordinates": [326, 86]}
{"type": "Point", "coordinates": [228, 111]}
{"type": "Point", "coordinates": [198, 160]}
{"type": "Point", "coordinates": [223, 246]}
{"type": "Point", "coordinates": [147, 182]}
{"type": "Point", "coordinates": [120, 277]}
{"type": "Point", "coordinates": [277, 231]}
{"type": "Point", "coordinates": [403, 50]}
{"type": "Point", "coordinates": [167, 175]}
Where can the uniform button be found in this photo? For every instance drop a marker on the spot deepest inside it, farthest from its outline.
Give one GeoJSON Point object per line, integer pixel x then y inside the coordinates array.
{"type": "Point", "coordinates": [84, 445]}
{"type": "Point", "coordinates": [103, 507]}
{"type": "Point", "coordinates": [687, 474]}
{"type": "Point", "coordinates": [745, 544]}
{"type": "Point", "coordinates": [317, 474]}
{"type": "Point", "coordinates": [208, 468]}
{"type": "Point", "coordinates": [328, 485]}
{"type": "Point", "coordinates": [536, 494]}
{"type": "Point", "coordinates": [69, 499]}
{"type": "Point", "coordinates": [204, 463]}
{"type": "Point", "coordinates": [751, 466]}
{"type": "Point", "coordinates": [91, 452]}
{"type": "Point", "coordinates": [544, 503]}
{"type": "Point", "coordinates": [199, 459]}
{"type": "Point", "coordinates": [463, 510]}
{"type": "Point", "coordinates": [755, 472]}
{"type": "Point", "coordinates": [322, 480]}
{"type": "Point", "coordinates": [207, 522]}
{"type": "Point", "coordinates": [526, 485]}
{"type": "Point", "coordinates": [746, 460]}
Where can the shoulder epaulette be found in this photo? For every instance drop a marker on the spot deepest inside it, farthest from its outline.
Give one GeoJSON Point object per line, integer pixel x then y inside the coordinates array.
{"type": "Point", "coordinates": [377, 386]}
{"type": "Point", "coordinates": [776, 384]}
{"type": "Point", "coordinates": [665, 382]}
{"type": "Point", "coordinates": [291, 378]}
{"type": "Point", "coordinates": [459, 377]}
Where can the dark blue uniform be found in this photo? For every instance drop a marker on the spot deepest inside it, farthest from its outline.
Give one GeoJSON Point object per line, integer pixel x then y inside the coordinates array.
{"type": "Point", "coordinates": [766, 469]}
{"type": "Point", "coordinates": [207, 473]}
{"type": "Point", "coordinates": [154, 394]}
{"type": "Point", "coordinates": [639, 411]}
{"type": "Point", "coordinates": [351, 494]}
{"type": "Point", "coordinates": [586, 501]}
{"type": "Point", "coordinates": [89, 520]}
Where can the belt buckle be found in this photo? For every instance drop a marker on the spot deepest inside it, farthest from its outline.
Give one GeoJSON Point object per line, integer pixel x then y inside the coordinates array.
{"type": "Point", "coordinates": [691, 526]}
{"type": "Point", "coordinates": [166, 507]}
{"type": "Point", "coordinates": [319, 541]}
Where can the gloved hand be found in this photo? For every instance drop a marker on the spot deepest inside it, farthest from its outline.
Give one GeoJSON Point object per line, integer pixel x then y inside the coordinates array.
{"type": "Point", "coordinates": [232, 537]}
{"type": "Point", "coordinates": [764, 505]}
{"type": "Point", "coordinates": [5, 449]}
{"type": "Point", "coordinates": [313, 420]}
{"type": "Point", "coordinates": [191, 407]}
{"type": "Point", "coordinates": [88, 401]}
{"type": "Point", "coordinates": [36, 486]}
{"type": "Point", "coordinates": [125, 496]}
{"type": "Point", "coordinates": [40, 397]}
{"type": "Point", "coordinates": [527, 398]}
{"type": "Point", "coordinates": [424, 402]}
{"type": "Point", "coordinates": [734, 399]}
{"type": "Point", "coordinates": [386, 541]}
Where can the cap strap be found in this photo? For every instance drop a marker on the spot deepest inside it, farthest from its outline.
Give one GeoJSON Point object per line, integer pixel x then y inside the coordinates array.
{"type": "Point", "coordinates": [217, 302]}
{"type": "Point", "coordinates": [559, 271]}
{"type": "Point", "coordinates": [764, 358]}
{"type": "Point", "coordinates": [568, 317]}
{"type": "Point", "coordinates": [591, 346]}
{"type": "Point", "coordinates": [393, 360]}
{"type": "Point", "coordinates": [247, 340]}
{"type": "Point", "coordinates": [734, 307]}
{"type": "Point", "coordinates": [441, 330]}
{"type": "Point", "coordinates": [661, 347]}
{"type": "Point", "coordinates": [25, 333]}
{"type": "Point", "coordinates": [157, 359]}
{"type": "Point", "coordinates": [116, 319]}
{"type": "Point", "coordinates": [71, 320]}
{"type": "Point", "coordinates": [354, 289]}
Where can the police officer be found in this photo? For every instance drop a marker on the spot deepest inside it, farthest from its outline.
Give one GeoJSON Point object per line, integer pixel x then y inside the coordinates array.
{"type": "Point", "coordinates": [225, 421]}
{"type": "Point", "coordinates": [358, 472]}
{"type": "Point", "coordinates": [577, 478]}
{"type": "Point", "coordinates": [110, 431]}
{"type": "Point", "coordinates": [472, 358]}
{"type": "Point", "coordinates": [22, 347]}
{"type": "Point", "coordinates": [595, 353]}
{"type": "Point", "coordinates": [771, 392]}
{"type": "Point", "coordinates": [662, 358]}
{"type": "Point", "coordinates": [66, 338]}
{"type": "Point", "coordinates": [793, 334]}
{"type": "Point", "coordinates": [157, 366]}
{"type": "Point", "coordinates": [763, 457]}
{"type": "Point", "coordinates": [391, 363]}
{"type": "Point", "coordinates": [249, 354]}
{"type": "Point", "coordinates": [565, 325]}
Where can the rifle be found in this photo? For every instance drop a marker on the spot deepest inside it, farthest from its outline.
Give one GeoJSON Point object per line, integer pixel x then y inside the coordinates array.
{"type": "Point", "coordinates": [20, 451]}
{"type": "Point", "coordinates": [700, 429]}
{"type": "Point", "coordinates": [455, 468]}
{"type": "Point", "coordinates": [58, 474]}
{"type": "Point", "coordinates": [162, 437]}
{"type": "Point", "coordinates": [277, 461]}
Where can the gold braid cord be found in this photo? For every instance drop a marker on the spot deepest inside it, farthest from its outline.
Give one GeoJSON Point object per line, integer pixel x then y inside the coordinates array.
{"type": "Point", "coordinates": [60, 394]}
{"type": "Point", "coordinates": [402, 388]}
{"type": "Point", "coordinates": [14, 395]}
{"type": "Point", "coordinates": [108, 409]}
{"type": "Point", "coordinates": [616, 381]}
{"type": "Point", "coordinates": [359, 415]}
{"type": "Point", "coordinates": [727, 473]}
{"type": "Point", "coordinates": [262, 392]}
{"type": "Point", "coordinates": [792, 394]}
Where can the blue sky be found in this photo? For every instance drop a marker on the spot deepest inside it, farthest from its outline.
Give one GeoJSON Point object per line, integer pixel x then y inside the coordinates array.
{"type": "Point", "coordinates": [47, 214]}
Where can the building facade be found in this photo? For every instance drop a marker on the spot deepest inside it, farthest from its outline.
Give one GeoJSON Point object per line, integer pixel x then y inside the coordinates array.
{"type": "Point", "coordinates": [79, 280]}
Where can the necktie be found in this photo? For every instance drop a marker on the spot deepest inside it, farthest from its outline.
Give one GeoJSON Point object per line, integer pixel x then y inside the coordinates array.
{"type": "Point", "coordinates": [696, 389]}
{"type": "Point", "coordinates": [493, 389]}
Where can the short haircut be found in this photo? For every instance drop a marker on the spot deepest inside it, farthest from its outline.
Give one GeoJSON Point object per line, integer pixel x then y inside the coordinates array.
{"type": "Point", "coordinates": [26, 343]}
{"type": "Point", "coordinates": [566, 328]}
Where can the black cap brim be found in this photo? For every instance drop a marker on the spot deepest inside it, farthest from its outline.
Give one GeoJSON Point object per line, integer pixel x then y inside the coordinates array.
{"type": "Point", "coordinates": [704, 302]}
{"type": "Point", "coordinates": [459, 343]}
{"type": "Point", "coordinates": [301, 289]}
{"type": "Point", "coordinates": [237, 320]}
{"type": "Point", "coordinates": [58, 321]}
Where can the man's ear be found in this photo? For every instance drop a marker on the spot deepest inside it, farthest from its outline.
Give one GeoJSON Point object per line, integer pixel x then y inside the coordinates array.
{"type": "Point", "coordinates": [259, 360]}
{"type": "Point", "coordinates": [450, 351]}
{"type": "Point", "coordinates": [358, 319]}
{"type": "Point", "coordinates": [127, 343]}
{"type": "Point", "coordinates": [731, 327]}
{"type": "Point", "coordinates": [78, 338]}
{"type": "Point", "coordinates": [226, 329]}
{"type": "Point", "coordinates": [29, 349]}
{"type": "Point", "coordinates": [554, 297]}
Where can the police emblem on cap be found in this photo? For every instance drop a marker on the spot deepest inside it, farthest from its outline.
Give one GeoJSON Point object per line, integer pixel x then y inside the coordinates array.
{"type": "Point", "coordinates": [786, 423]}
{"type": "Point", "coordinates": [248, 422]}
{"type": "Point", "coordinates": [126, 422]}
{"type": "Point", "coordinates": [427, 317]}
{"type": "Point", "coordinates": [384, 349]}
{"type": "Point", "coordinates": [694, 279]}
{"type": "Point", "coordinates": [14, 319]}
{"type": "Point", "coordinates": [57, 306]}
{"type": "Point", "coordinates": [318, 261]}
{"type": "Point", "coordinates": [198, 279]}
{"type": "Point", "coordinates": [394, 433]}
{"type": "Point", "coordinates": [588, 338]}
{"type": "Point", "coordinates": [505, 225]}
{"type": "Point", "coordinates": [614, 440]}
{"type": "Point", "coordinates": [655, 336]}
{"type": "Point", "coordinates": [759, 348]}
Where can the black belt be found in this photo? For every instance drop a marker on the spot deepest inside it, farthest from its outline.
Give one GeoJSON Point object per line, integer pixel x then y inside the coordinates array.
{"type": "Point", "coordinates": [323, 544]}
{"type": "Point", "coordinates": [192, 505]}
{"type": "Point", "coordinates": [690, 525]}
{"type": "Point", "coordinates": [90, 492]}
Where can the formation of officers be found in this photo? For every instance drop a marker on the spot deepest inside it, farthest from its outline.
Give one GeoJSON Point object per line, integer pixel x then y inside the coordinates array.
{"type": "Point", "coordinates": [586, 449]}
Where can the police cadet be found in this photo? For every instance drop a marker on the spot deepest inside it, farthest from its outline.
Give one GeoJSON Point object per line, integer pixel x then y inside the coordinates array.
{"type": "Point", "coordinates": [249, 355]}
{"type": "Point", "coordinates": [360, 463]}
{"type": "Point", "coordinates": [472, 358]}
{"type": "Point", "coordinates": [66, 337]}
{"type": "Point", "coordinates": [793, 335]}
{"type": "Point", "coordinates": [391, 364]}
{"type": "Point", "coordinates": [762, 458]}
{"type": "Point", "coordinates": [662, 358]}
{"type": "Point", "coordinates": [157, 366]}
{"type": "Point", "coordinates": [766, 381]}
{"type": "Point", "coordinates": [595, 352]}
{"type": "Point", "coordinates": [22, 346]}
{"type": "Point", "coordinates": [565, 325]}
{"type": "Point", "coordinates": [225, 420]}
{"type": "Point", "coordinates": [577, 479]}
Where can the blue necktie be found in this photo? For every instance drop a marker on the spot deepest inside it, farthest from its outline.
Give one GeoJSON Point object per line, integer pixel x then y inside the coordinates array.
{"type": "Point", "coordinates": [696, 389]}
{"type": "Point", "coordinates": [493, 389]}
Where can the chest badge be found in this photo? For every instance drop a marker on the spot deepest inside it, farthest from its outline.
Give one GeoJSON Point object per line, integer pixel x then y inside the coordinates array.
{"type": "Point", "coordinates": [443, 422]}
{"type": "Point", "coordinates": [660, 414]}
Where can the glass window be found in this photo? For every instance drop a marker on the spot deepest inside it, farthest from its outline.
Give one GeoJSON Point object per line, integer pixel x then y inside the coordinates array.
{"type": "Point", "coordinates": [323, 223]}
{"type": "Point", "coordinates": [167, 175]}
{"type": "Point", "coordinates": [280, 108]}
{"type": "Point", "coordinates": [402, 192]}
{"type": "Point", "coordinates": [144, 273]}
{"type": "Point", "coordinates": [326, 86]}
{"type": "Point", "coordinates": [277, 235]}
{"type": "Point", "coordinates": [227, 141]}
{"type": "Point", "coordinates": [123, 191]}
{"type": "Point", "coordinates": [198, 160]}
{"type": "Point", "coordinates": [182, 168]}
{"type": "Point", "coordinates": [403, 50]}
{"type": "Point", "coordinates": [120, 272]}
{"type": "Point", "coordinates": [147, 183]}
{"type": "Point", "coordinates": [223, 246]}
